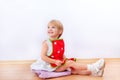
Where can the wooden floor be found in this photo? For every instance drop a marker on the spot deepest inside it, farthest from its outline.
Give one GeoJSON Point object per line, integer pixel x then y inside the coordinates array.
{"type": "Point", "coordinates": [20, 70]}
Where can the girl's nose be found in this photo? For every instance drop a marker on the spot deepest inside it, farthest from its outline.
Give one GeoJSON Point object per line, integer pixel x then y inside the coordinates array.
{"type": "Point", "coordinates": [50, 28]}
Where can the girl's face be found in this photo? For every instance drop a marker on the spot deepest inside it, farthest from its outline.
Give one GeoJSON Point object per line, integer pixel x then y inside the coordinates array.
{"type": "Point", "coordinates": [53, 31]}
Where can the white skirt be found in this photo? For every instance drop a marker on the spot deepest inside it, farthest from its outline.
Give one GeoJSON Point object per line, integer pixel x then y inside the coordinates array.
{"type": "Point", "coordinates": [42, 65]}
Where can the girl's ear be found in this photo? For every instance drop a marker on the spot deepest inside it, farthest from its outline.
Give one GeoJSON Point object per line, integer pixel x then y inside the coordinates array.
{"type": "Point", "coordinates": [60, 32]}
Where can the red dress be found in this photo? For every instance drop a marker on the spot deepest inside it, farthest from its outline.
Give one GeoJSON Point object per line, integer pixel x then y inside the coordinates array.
{"type": "Point", "coordinates": [58, 51]}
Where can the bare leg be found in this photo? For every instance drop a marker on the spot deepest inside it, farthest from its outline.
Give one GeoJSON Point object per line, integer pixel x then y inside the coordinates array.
{"type": "Point", "coordinates": [81, 72]}
{"type": "Point", "coordinates": [65, 66]}
{"type": "Point", "coordinates": [76, 68]}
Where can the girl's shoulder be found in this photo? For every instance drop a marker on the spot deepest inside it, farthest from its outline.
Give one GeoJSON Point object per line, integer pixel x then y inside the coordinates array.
{"type": "Point", "coordinates": [44, 42]}
{"type": "Point", "coordinates": [47, 41]}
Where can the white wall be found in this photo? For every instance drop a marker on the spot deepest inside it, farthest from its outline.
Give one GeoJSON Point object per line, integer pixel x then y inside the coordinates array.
{"type": "Point", "coordinates": [91, 27]}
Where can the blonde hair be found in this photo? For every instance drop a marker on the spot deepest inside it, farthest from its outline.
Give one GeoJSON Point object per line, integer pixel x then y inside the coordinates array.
{"type": "Point", "coordinates": [57, 24]}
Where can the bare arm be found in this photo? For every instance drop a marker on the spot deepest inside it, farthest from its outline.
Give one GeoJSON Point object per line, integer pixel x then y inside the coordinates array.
{"type": "Point", "coordinates": [64, 57]}
{"type": "Point", "coordinates": [44, 53]}
{"type": "Point", "coordinates": [45, 57]}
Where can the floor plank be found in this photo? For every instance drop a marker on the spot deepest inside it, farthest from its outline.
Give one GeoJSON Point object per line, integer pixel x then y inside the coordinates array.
{"type": "Point", "coordinates": [20, 70]}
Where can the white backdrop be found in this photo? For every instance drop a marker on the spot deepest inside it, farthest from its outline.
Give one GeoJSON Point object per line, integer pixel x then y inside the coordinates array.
{"type": "Point", "coordinates": [91, 27]}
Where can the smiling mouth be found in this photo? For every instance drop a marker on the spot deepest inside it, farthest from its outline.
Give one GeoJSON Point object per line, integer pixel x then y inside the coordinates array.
{"type": "Point", "coordinates": [50, 32]}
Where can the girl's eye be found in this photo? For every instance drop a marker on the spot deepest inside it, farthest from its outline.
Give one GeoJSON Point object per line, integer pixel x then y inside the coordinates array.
{"type": "Point", "coordinates": [53, 26]}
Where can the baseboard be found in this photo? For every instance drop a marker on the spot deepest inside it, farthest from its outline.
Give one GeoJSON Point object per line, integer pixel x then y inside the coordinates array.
{"type": "Point", "coordinates": [31, 61]}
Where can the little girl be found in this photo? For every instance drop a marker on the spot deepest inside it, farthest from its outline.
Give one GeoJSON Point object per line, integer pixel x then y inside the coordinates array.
{"type": "Point", "coordinates": [53, 58]}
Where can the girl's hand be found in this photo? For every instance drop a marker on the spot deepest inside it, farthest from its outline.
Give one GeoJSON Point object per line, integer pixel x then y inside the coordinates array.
{"type": "Point", "coordinates": [58, 62]}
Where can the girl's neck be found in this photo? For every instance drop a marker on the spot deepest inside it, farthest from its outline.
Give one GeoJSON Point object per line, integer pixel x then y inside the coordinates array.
{"type": "Point", "coordinates": [53, 38]}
